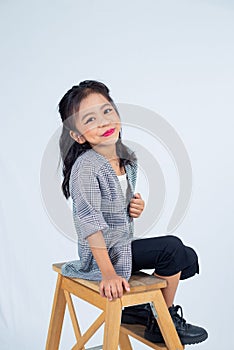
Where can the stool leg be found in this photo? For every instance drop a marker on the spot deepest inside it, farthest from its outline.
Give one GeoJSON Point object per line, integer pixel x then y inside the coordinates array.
{"type": "Point", "coordinates": [57, 316]}
{"type": "Point", "coordinates": [112, 324]}
{"type": "Point", "coordinates": [165, 323]}
{"type": "Point", "coordinates": [124, 342]}
{"type": "Point", "coordinates": [72, 312]}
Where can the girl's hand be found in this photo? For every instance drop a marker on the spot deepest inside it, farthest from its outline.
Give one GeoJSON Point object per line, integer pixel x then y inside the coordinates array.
{"type": "Point", "coordinates": [112, 287]}
{"type": "Point", "coordinates": [136, 206]}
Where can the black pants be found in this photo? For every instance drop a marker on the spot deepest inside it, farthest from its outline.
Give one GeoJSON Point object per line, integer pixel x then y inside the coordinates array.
{"type": "Point", "coordinates": [167, 255]}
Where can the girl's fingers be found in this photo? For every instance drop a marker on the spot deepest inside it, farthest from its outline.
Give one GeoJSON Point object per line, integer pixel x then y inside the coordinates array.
{"type": "Point", "coordinates": [102, 290]}
{"type": "Point", "coordinates": [137, 201]}
{"type": "Point", "coordinates": [135, 216]}
{"type": "Point", "coordinates": [105, 290]}
{"type": "Point", "coordinates": [126, 285]}
{"type": "Point", "coordinates": [114, 292]}
{"type": "Point", "coordinates": [135, 211]}
{"type": "Point", "coordinates": [108, 292]}
{"type": "Point", "coordinates": [136, 206]}
{"type": "Point", "coordinates": [119, 290]}
{"type": "Point", "coordinates": [113, 289]}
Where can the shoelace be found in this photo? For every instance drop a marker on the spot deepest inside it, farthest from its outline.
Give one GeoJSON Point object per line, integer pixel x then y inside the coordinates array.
{"type": "Point", "coordinates": [174, 313]}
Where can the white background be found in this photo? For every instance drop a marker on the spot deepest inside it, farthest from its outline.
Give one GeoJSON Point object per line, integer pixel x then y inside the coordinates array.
{"type": "Point", "coordinates": [174, 57]}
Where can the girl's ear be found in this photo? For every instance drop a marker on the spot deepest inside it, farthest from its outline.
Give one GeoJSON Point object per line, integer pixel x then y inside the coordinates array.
{"type": "Point", "coordinates": [78, 138]}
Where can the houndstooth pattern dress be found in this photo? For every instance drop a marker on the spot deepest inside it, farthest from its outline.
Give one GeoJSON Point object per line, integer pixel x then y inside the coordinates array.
{"type": "Point", "coordinates": [99, 204]}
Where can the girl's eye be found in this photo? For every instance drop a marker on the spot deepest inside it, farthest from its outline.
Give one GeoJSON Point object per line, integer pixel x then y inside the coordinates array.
{"type": "Point", "coordinates": [89, 120]}
{"type": "Point", "coordinates": [108, 110]}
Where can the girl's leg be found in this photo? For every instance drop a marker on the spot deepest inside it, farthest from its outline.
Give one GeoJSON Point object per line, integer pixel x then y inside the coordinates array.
{"type": "Point", "coordinates": [172, 261]}
{"type": "Point", "coordinates": [170, 291]}
{"type": "Point", "coordinates": [167, 255]}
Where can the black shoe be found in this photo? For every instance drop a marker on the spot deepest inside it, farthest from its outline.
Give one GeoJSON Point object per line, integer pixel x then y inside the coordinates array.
{"type": "Point", "coordinates": [152, 331]}
{"type": "Point", "coordinates": [137, 314]}
{"type": "Point", "coordinates": [187, 333]}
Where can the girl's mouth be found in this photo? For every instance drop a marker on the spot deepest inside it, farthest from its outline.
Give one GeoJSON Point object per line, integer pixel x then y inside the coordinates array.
{"type": "Point", "coordinates": [108, 132]}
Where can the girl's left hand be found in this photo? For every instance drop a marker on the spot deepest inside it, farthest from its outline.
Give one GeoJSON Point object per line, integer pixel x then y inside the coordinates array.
{"type": "Point", "coordinates": [136, 206]}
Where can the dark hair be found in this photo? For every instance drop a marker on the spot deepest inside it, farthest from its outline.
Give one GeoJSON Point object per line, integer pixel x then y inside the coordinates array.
{"type": "Point", "coordinates": [69, 148]}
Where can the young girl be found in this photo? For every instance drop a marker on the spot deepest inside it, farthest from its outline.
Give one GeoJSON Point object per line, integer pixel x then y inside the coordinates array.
{"type": "Point", "coordinates": [100, 175]}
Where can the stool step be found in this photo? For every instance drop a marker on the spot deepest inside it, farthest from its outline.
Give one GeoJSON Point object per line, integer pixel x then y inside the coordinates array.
{"type": "Point", "coordinates": [96, 348]}
{"type": "Point", "coordinates": [137, 331]}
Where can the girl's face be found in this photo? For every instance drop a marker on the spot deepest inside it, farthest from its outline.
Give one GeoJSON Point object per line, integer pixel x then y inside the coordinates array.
{"type": "Point", "coordinates": [97, 121]}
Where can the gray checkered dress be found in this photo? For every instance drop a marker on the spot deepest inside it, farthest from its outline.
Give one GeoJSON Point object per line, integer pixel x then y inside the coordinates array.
{"type": "Point", "coordinates": [99, 204]}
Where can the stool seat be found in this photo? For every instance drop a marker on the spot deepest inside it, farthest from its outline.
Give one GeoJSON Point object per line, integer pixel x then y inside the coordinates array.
{"type": "Point", "coordinates": [144, 288]}
{"type": "Point", "coordinates": [139, 281]}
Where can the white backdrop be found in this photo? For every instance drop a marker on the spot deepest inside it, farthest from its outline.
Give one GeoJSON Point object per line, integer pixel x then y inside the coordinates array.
{"type": "Point", "coordinates": [174, 57]}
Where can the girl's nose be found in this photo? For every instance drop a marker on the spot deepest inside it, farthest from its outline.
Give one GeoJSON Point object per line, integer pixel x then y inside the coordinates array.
{"type": "Point", "coordinates": [103, 121]}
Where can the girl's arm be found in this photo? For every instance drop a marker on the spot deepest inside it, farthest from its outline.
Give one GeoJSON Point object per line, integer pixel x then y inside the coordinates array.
{"type": "Point", "coordinates": [112, 284]}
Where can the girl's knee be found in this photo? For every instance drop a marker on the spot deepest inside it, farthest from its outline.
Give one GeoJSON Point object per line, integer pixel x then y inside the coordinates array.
{"type": "Point", "coordinates": [175, 242]}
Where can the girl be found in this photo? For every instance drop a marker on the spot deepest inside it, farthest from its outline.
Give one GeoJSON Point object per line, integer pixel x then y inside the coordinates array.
{"type": "Point", "coordinates": [100, 175]}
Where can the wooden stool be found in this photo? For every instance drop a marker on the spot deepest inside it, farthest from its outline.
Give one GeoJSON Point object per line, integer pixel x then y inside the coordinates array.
{"type": "Point", "coordinates": [144, 289]}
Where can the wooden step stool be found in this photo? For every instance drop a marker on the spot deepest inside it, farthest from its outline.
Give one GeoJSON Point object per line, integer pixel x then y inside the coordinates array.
{"type": "Point", "coordinates": [144, 288]}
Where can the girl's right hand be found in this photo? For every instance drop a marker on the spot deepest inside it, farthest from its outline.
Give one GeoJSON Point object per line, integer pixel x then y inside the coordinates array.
{"type": "Point", "coordinates": [112, 287]}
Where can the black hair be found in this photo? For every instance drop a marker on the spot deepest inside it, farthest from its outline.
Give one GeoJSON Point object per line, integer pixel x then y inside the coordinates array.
{"type": "Point", "coordinates": [70, 150]}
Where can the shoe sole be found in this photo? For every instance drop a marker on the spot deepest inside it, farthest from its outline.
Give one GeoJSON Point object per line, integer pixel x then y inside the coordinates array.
{"type": "Point", "coordinates": [184, 341]}
{"type": "Point", "coordinates": [191, 341]}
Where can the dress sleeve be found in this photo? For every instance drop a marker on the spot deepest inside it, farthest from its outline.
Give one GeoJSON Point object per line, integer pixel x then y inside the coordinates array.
{"type": "Point", "coordinates": [86, 195]}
